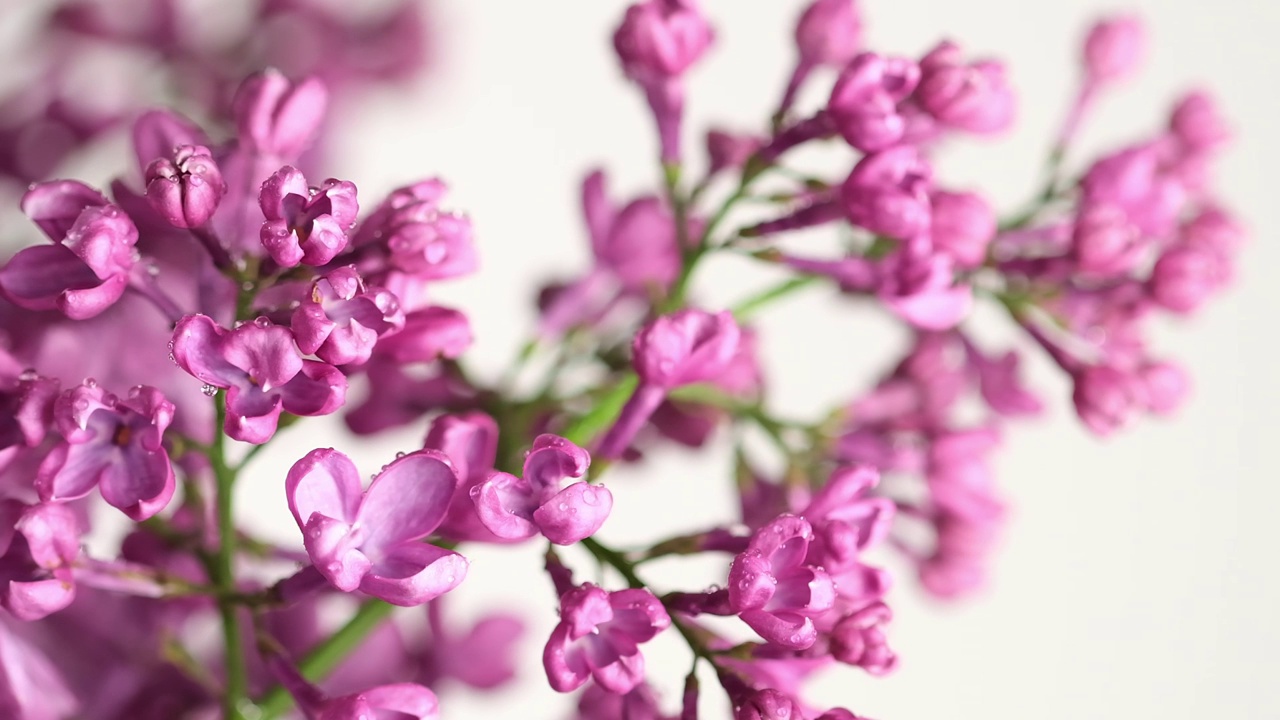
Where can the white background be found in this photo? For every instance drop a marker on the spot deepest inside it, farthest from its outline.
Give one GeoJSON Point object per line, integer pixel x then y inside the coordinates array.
{"type": "Point", "coordinates": [1138, 575]}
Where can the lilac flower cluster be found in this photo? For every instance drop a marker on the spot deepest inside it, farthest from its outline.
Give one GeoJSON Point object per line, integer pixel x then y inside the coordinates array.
{"type": "Point", "coordinates": [164, 47]}
{"type": "Point", "coordinates": [166, 332]}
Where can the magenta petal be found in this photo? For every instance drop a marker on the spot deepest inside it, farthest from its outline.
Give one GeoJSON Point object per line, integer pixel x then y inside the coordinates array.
{"type": "Point", "coordinates": [70, 471]}
{"type": "Point", "coordinates": [751, 581]}
{"type": "Point", "coordinates": [599, 212]}
{"type": "Point", "coordinates": [324, 481]}
{"type": "Point", "coordinates": [140, 483]}
{"type": "Point", "coordinates": [408, 499]}
{"type": "Point", "coordinates": [505, 504]}
{"type": "Point", "coordinates": [35, 277]}
{"type": "Point", "coordinates": [318, 390]}
{"type": "Point", "coordinates": [551, 460]}
{"type": "Point", "coordinates": [252, 416]}
{"type": "Point", "coordinates": [157, 132]}
{"type": "Point", "coordinates": [574, 513]}
{"type": "Point", "coordinates": [843, 489]}
{"type": "Point", "coordinates": [622, 675]}
{"type": "Point", "coordinates": [52, 533]}
{"type": "Point", "coordinates": [39, 598]}
{"type": "Point", "coordinates": [566, 665]}
{"type": "Point", "coordinates": [789, 630]}
{"type": "Point", "coordinates": [415, 573]}
{"type": "Point", "coordinates": [415, 701]}
{"type": "Point", "coordinates": [470, 440]}
{"type": "Point", "coordinates": [55, 205]}
{"type": "Point", "coordinates": [264, 351]}
{"type": "Point", "coordinates": [197, 347]}
{"type": "Point", "coordinates": [332, 545]}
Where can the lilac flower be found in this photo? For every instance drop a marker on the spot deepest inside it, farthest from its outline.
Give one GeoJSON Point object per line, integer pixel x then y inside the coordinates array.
{"type": "Point", "coordinates": [277, 118]}
{"type": "Point", "coordinates": [417, 236]}
{"type": "Point", "coordinates": [683, 348]}
{"type": "Point", "coordinates": [846, 521]}
{"type": "Point", "coordinates": [599, 636]}
{"type": "Point", "coordinates": [657, 42]}
{"type": "Point", "coordinates": [888, 193]}
{"type": "Point", "coordinates": [31, 686]}
{"type": "Point", "coordinates": [998, 381]}
{"type": "Point", "coordinates": [766, 704]}
{"type": "Point", "coordinates": [597, 703]}
{"type": "Point", "coordinates": [185, 188]}
{"type": "Point", "coordinates": [341, 320]}
{"type": "Point", "coordinates": [38, 545]}
{"type": "Point", "coordinates": [923, 289]}
{"type": "Point", "coordinates": [398, 396]}
{"type": "Point", "coordinates": [864, 101]}
{"type": "Point", "coordinates": [515, 508]}
{"type": "Point", "coordinates": [261, 370]}
{"type": "Point", "coordinates": [974, 97]}
{"type": "Point", "coordinates": [774, 589]}
{"type": "Point", "coordinates": [962, 225]}
{"type": "Point", "coordinates": [115, 444]}
{"type": "Point", "coordinates": [370, 540]}
{"type": "Point", "coordinates": [1135, 180]}
{"type": "Point", "coordinates": [86, 269]}
{"type": "Point", "coordinates": [1113, 48]}
{"type": "Point", "coordinates": [1165, 386]}
{"type": "Point", "coordinates": [304, 224]}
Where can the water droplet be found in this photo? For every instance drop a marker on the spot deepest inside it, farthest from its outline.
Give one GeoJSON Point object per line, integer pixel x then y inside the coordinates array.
{"type": "Point", "coordinates": [208, 390]}
{"type": "Point", "coordinates": [246, 286]}
{"type": "Point", "coordinates": [28, 375]}
{"type": "Point", "coordinates": [589, 497]}
{"type": "Point", "coordinates": [262, 322]}
{"type": "Point", "coordinates": [152, 270]}
{"type": "Point", "coordinates": [563, 507]}
{"type": "Point", "coordinates": [401, 454]}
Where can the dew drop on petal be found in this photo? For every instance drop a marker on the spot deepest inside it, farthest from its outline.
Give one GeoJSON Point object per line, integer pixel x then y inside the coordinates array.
{"type": "Point", "coordinates": [208, 390]}
{"type": "Point", "coordinates": [28, 375]}
{"type": "Point", "coordinates": [401, 454]}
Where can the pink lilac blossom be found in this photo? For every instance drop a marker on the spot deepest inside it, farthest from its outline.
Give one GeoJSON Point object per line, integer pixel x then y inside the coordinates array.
{"type": "Point", "coordinates": [275, 296]}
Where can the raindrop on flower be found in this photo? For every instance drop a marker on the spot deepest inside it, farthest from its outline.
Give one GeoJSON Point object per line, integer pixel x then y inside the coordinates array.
{"type": "Point", "coordinates": [208, 390]}
{"type": "Point", "coordinates": [28, 375]}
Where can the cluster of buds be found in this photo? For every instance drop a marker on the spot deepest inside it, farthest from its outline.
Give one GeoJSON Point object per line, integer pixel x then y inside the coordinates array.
{"type": "Point", "coordinates": [170, 329]}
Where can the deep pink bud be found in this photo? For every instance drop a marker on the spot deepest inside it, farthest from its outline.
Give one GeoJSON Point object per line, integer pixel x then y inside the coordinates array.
{"type": "Point", "coordinates": [1114, 48]}
{"type": "Point", "coordinates": [1198, 123]}
{"type": "Point", "coordinates": [1186, 276]}
{"type": "Point", "coordinates": [864, 102]}
{"type": "Point", "coordinates": [974, 97]}
{"type": "Point", "coordinates": [304, 224]}
{"type": "Point", "coordinates": [660, 39]}
{"type": "Point", "coordinates": [963, 225]}
{"type": "Point", "coordinates": [829, 32]}
{"type": "Point", "coordinates": [186, 187]}
{"type": "Point", "coordinates": [428, 334]}
{"type": "Point", "coordinates": [1107, 398]}
{"type": "Point", "coordinates": [888, 193]}
{"type": "Point", "coordinates": [158, 133]}
{"type": "Point", "coordinates": [278, 118]}
{"type": "Point", "coordinates": [1106, 244]}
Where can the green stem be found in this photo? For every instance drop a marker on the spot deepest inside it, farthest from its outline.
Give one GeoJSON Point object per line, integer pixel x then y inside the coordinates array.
{"type": "Point", "coordinates": [222, 567]}
{"type": "Point", "coordinates": [585, 429]}
{"type": "Point", "coordinates": [745, 309]}
{"type": "Point", "coordinates": [328, 654]}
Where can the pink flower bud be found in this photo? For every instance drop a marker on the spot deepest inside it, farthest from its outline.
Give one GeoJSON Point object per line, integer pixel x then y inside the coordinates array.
{"type": "Point", "coordinates": [1114, 48]}
{"type": "Point", "coordinates": [864, 101]}
{"type": "Point", "coordinates": [1106, 244]}
{"type": "Point", "coordinates": [1197, 121]}
{"type": "Point", "coordinates": [829, 32]}
{"type": "Point", "coordinates": [185, 188]}
{"type": "Point", "coordinates": [963, 224]}
{"type": "Point", "coordinates": [974, 97]}
{"type": "Point", "coordinates": [888, 193]}
{"type": "Point", "coordinates": [660, 39]}
{"type": "Point", "coordinates": [1186, 276]}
